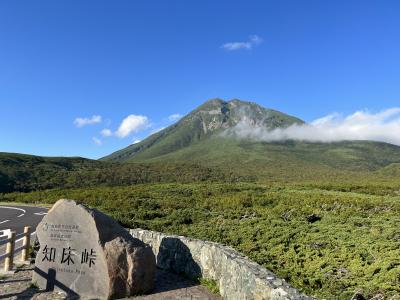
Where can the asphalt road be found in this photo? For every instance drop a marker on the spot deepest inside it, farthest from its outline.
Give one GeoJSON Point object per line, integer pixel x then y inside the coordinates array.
{"type": "Point", "coordinates": [17, 217]}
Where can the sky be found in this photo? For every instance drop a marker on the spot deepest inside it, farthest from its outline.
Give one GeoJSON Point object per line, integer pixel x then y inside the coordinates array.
{"type": "Point", "coordinates": [86, 78]}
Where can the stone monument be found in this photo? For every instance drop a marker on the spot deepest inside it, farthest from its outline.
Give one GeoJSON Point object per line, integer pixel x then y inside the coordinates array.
{"type": "Point", "coordinates": [84, 252]}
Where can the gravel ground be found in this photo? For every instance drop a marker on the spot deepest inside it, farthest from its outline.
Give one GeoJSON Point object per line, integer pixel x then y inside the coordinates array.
{"type": "Point", "coordinates": [168, 287]}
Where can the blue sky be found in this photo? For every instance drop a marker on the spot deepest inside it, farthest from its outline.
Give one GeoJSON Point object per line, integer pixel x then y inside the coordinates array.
{"type": "Point", "coordinates": [103, 61]}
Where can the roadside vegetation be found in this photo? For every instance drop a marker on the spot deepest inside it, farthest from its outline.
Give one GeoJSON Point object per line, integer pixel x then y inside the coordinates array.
{"type": "Point", "coordinates": [25, 173]}
{"type": "Point", "coordinates": [210, 284]}
{"type": "Point", "coordinates": [329, 239]}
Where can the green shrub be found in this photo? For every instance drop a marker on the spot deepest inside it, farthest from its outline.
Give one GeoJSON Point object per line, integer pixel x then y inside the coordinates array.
{"type": "Point", "coordinates": [355, 245]}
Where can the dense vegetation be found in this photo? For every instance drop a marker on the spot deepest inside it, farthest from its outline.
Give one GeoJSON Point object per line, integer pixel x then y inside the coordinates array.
{"type": "Point", "coordinates": [288, 160]}
{"type": "Point", "coordinates": [214, 160]}
{"type": "Point", "coordinates": [26, 173]}
{"type": "Point", "coordinates": [328, 239]}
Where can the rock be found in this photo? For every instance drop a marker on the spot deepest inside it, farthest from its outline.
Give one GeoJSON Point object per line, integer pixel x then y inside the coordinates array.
{"type": "Point", "coordinates": [85, 253]}
{"type": "Point", "coordinates": [247, 216]}
{"type": "Point", "coordinates": [358, 296]}
{"type": "Point", "coordinates": [313, 218]}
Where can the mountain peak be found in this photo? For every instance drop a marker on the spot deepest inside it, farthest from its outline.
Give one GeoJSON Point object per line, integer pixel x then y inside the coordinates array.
{"type": "Point", "coordinates": [220, 102]}
{"type": "Point", "coordinates": [236, 101]}
{"type": "Point", "coordinates": [214, 101]}
{"type": "Point", "coordinates": [217, 114]}
{"type": "Point", "coordinates": [208, 120]}
{"type": "Point", "coordinates": [245, 107]}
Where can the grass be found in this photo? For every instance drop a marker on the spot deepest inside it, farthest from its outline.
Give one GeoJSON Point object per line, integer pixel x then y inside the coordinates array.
{"type": "Point", "coordinates": [210, 284]}
{"type": "Point", "coordinates": [354, 246]}
{"type": "Point", "coordinates": [34, 285]}
{"type": "Point", "coordinates": [20, 266]}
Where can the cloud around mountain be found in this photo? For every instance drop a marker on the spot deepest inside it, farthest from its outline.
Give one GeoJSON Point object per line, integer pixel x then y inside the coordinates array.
{"type": "Point", "coordinates": [361, 125]}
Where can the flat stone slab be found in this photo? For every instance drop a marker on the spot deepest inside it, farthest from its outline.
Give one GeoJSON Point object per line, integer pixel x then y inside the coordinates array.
{"type": "Point", "coordinates": [168, 287]}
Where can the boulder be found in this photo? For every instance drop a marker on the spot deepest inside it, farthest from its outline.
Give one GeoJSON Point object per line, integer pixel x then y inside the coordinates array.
{"type": "Point", "coordinates": [86, 253]}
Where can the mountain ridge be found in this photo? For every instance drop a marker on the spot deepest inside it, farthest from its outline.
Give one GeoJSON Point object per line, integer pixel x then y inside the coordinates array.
{"type": "Point", "coordinates": [199, 138]}
{"type": "Point", "coordinates": [211, 117]}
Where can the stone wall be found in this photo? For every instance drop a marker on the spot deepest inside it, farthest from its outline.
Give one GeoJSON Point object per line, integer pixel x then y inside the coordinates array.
{"type": "Point", "coordinates": [238, 277]}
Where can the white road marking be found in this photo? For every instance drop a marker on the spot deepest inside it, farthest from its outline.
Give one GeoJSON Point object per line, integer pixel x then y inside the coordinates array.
{"type": "Point", "coordinates": [41, 213]}
{"type": "Point", "coordinates": [23, 213]}
{"type": "Point", "coordinates": [5, 232]}
{"type": "Point", "coordinates": [20, 209]}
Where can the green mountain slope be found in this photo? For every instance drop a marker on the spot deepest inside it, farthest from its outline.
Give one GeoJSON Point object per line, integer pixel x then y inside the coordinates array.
{"type": "Point", "coordinates": [206, 121]}
{"type": "Point", "coordinates": [20, 172]}
{"type": "Point", "coordinates": [24, 172]}
{"type": "Point", "coordinates": [198, 139]}
{"type": "Point", "coordinates": [197, 149]}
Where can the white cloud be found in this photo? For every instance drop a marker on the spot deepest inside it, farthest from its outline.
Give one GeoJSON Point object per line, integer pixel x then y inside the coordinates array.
{"type": "Point", "coordinates": [97, 141]}
{"type": "Point", "coordinates": [174, 117]}
{"type": "Point", "coordinates": [361, 125]}
{"type": "Point", "coordinates": [132, 124]}
{"type": "Point", "coordinates": [106, 132]}
{"type": "Point", "coordinates": [80, 122]}
{"type": "Point", "coordinates": [237, 46]}
{"type": "Point", "coordinates": [253, 40]}
{"type": "Point", "coordinates": [136, 141]}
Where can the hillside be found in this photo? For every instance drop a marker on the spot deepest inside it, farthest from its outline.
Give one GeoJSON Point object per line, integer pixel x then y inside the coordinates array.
{"type": "Point", "coordinates": [199, 138]}
{"type": "Point", "coordinates": [23, 173]}
{"type": "Point", "coordinates": [286, 160]}
{"type": "Point", "coordinates": [20, 172]}
{"type": "Point", "coordinates": [208, 120]}
{"type": "Point", "coordinates": [197, 148]}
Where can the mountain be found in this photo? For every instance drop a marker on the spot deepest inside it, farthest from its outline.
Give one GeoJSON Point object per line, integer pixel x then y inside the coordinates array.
{"type": "Point", "coordinates": [200, 148]}
{"type": "Point", "coordinates": [201, 138]}
{"type": "Point", "coordinates": [208, 120]}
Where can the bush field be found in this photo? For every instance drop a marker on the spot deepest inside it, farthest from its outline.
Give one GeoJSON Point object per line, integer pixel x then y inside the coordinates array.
{"type": "Point", "coordinates": [355, 246]}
